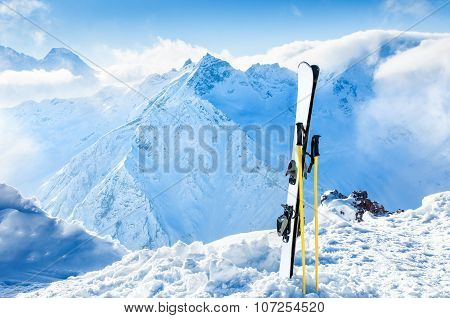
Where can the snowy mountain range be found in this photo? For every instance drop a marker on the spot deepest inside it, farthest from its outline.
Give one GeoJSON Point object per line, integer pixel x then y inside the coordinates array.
{"type": "Point", "coordinates": [187, 172]}
{"type": "Point", "coordinates": [94, 147]}
{"type": "Point", "coordinates": [105, 180]}
{"type": "Point", "coordinates": [57, 58]}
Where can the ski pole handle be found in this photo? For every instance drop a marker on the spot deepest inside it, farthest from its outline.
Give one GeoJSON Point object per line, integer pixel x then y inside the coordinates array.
{"type": "Point", "coordinates": [300, 130]}
{"type": "Point", "coordinates": [315, 146]}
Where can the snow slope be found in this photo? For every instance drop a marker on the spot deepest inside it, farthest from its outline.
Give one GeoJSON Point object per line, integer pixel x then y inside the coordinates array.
{"type": "Point", "coordinates": [36, 249]}
{"type": "Point", "coordinates": [402, 255]}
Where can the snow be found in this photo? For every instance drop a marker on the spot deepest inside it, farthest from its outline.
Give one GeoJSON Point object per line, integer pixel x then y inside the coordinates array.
{"type": "Point", "coordinates": [401, 255]}
{"type": "Point", "coordinates": [36, 249]}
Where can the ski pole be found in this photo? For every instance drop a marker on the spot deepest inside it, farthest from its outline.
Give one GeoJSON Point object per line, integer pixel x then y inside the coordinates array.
{"type": "Point", "coordinates": [315, 154]}
{"type": "Point", "coordinates": [300, 198]}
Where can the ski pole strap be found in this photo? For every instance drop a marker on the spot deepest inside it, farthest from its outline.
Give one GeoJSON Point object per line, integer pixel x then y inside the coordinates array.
{"type": "Point", "coordinates": [300, 134]}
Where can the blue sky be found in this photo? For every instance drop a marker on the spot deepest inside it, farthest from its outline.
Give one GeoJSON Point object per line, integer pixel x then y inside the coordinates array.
{"type": "Point", "coordinates": [242, 27]}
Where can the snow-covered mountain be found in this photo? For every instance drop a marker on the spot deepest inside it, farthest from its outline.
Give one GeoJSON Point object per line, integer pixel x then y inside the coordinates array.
{"type": "Point", "coordinates": [57, 58]}
{"type": "Point", "coordinates": [91, 187]}
{"type": "Point", "coordinates": [102, 183]}
{"type": "Point", "coordinates": [400, 255]}
{"type": "Point", "coordinates": [248, 97]}
{"type": "Point", "coordinates": [109, 188]}
{"type": "Point", "coordinates": [58, 129]}
{"type": "Point", "coordinates": [36, 249]}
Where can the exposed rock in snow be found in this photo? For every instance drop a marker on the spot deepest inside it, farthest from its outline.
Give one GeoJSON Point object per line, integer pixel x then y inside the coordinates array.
{"type": "Point", "coordinates": [403, 255]}
{"type": "Point", "coordinates": [358, 200]}
{"type": "Point", "coordinates": [36, 249]}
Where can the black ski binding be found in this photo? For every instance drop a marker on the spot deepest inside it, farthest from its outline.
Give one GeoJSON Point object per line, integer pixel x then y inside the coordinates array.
{"type": "Point", "coordinates": [284, 222]}
{"type": "Point", "coordinates": [292, 172]}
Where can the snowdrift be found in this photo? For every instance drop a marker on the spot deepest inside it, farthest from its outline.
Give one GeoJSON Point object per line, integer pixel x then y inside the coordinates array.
{"type": "Point", "coordinates": [37, 249]}
{"type": "Point", "coordinates": [401, 255]}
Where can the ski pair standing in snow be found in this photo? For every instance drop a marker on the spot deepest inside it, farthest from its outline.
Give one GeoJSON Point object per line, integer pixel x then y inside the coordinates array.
{"type": "Point", "coordinates": [292, 222]}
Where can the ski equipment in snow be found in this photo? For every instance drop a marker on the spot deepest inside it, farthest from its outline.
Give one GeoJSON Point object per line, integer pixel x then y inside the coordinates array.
{"type": "Point", "coordinates": [307, 81]}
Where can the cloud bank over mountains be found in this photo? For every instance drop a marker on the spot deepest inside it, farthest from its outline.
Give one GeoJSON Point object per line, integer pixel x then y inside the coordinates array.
{"type": "Point", "coordinates": [34, 81]}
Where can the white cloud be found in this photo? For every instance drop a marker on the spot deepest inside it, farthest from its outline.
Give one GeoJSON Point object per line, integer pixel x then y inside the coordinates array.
{"type": "Point", "coordinates": [284, 55]}
{"type": "Point", "coordinates": [25, 7]}
{"type": "Point", "coordinates": [36, 77]}
{"type": "Point", "coordinates": [38, 37]}
{"type": "Point", "coordinates": [412, 101]}
{"type": "Point", "coordinates": [17, 149]}
{"type": "Point", "coordinates": [132, 65]}
{"type": "Point", "coordinates": [19, 86]}
{"type": "Point", "coordinates": [14, 28]}
{"type": "Point", "coordinates": [332, 55]}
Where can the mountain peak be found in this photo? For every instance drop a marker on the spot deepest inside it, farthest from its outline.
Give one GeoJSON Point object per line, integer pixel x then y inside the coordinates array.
{"type": "Point", "coordinates": [188, 62]}
{"type": "Point", "coordinates": [209, 71]}
{"type": "Point", "coordinates": [60, 51]}
{"type": "Point", "coordinates": [64, 58]}
{"type": "Point", "coordinates": [268, 70]}
{"type": "Point", "coordinates": [208, 60]}
{"type": "Point", "coordinates": [259, 66]}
